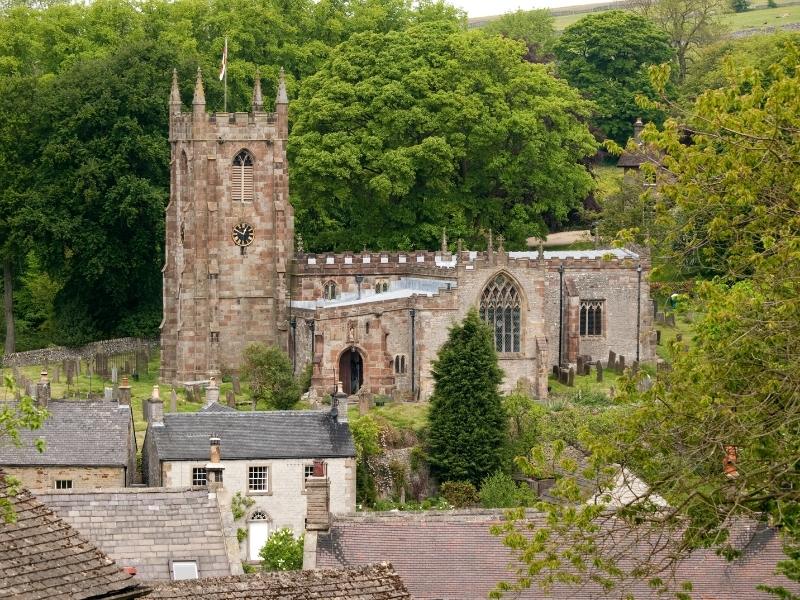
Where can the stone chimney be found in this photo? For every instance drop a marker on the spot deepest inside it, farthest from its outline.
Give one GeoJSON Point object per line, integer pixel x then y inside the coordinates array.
{"type": "Point", "coordinates": [638, 126]}
{"type": "Point", "coordinates": [43, 390]}
{"type": "Point", "coordinates": [212, 391]}
{"type": "Point", "coordinates": [125, 392]}
{"type": "Point", "coordinates": [339, 405]}
{"type": "Point", "coordinates": [214, 468]}
{"type": "Point", "coordinates": [155, 408]}
{"type": "Point", "coordinates": [318, 515]}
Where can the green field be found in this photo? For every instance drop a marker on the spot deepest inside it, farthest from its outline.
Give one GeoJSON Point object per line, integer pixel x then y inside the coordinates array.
{"type": "Point", "coordinates": [757, 17]}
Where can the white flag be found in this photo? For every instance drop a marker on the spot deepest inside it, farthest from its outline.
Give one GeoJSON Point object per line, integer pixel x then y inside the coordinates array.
{"type": "Point", "coordinates": [224, 60]}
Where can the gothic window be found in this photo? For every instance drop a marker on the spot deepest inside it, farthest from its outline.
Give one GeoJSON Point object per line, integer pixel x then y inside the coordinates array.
{"type": "Point", "coordinates": [500, 309]}
{"type": "Point", "coordinates": [381, 286]}
{"type": "Point", "coordinates": [329, 291]}
{"type": "Point", "coordinates": [242, 177]}
{"type": "Point", "coordinates": [400, 364]}
{"type": "Point", "coordinates": [592, 317]}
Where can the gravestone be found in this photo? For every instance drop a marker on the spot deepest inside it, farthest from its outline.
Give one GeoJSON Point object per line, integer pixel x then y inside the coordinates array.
{"type": "Point", "coordinates": [237, 389]}
{"type": "Point", "coordinates": [555, 370]}
{"type": "Point", "coordinates": [671, 319]}
{"type": "Point", "coordinates": [612, 359]}
{"type": "Point", "coordinates": [658, 337]}
{"type": "Point", "coordinates": [580, 365]}
{"type": "Point", "coordinates": [571, 377]}
{"type": "Point", "coordinates": [230, 397]}
{"type": "Point", "coordinates": [587, 368]}
{"type": "Point", "coordinates": [173, 401]}
{"type": "Point", "coordinates": [108, 394]}
{"type": "Point", "coordinates": [678, 337]}
{"type": "Point", "coordinates": [114, 374]}
{"type": "Point", "coordinates": [563, 375]}
{"type": "Point", "coordinates": [621, 364]}
{"type": "Point", "coordinates": [190, 394]}
{"type": "Point", "coordinates": [599, 371]}
{"type": "Point", "coordinates": [635, 367]}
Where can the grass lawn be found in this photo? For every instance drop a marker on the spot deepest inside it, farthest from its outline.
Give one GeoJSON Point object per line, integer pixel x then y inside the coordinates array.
{"type": "Point", "coordinates": [411, 416]}
{"type": "Point", "coordinates": [668, 335]}
{"type": "Point", "coordinates": [756, 17]}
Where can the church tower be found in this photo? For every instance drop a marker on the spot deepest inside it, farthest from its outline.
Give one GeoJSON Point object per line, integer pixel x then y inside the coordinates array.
{"type": "Point", "coordinates": [229, 234]}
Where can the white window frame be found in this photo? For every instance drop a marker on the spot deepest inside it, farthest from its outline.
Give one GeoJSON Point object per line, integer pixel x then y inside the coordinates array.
{"type": "Point", "coordinates": [267, 480]}
{"type": "Point", "coordinates": [189, 562]}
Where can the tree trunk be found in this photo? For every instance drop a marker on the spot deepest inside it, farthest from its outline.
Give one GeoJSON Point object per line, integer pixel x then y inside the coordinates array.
{"type": "Point", "coordinates": [8, 306]}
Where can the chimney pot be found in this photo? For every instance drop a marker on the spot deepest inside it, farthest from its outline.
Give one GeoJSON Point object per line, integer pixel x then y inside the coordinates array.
{"type": "Point", "coordinates": [43, 391]}
{"type": "Point", "coordinates": [341, 404]}
{"type": "Point", "coordinates": [214, 449]}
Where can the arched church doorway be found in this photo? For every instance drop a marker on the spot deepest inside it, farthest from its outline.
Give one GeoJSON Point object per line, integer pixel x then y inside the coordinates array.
{"type": "Point", "coordinates": [351, 370]}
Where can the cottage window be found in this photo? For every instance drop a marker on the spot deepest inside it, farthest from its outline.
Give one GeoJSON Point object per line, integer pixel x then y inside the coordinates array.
{"type": "Point", "coordinates": [591, 318]}
{"type": "Point", "coordinates": [199, 476]}
{"type": "Point", "coordinates": [500, 309]}
{"type": "Point", "coordinates": [258, 479]}
{"type": "Point", "coordinates": [329, 290]}
{"type": "Point", "coordinates": [242, 177]}
{"type": "Point", "coordinates": [63, 484]}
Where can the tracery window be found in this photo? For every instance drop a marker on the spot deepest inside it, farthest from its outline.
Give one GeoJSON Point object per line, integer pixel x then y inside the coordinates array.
{"type": "Point", "coordinates": [329, 290]}
{"type": "Point", "coordinates": [400, 364]}
{"type": "Point", "coordinates": [500, 309]}
{"type": "Point", "coordinates": [381, 286]}
{"type": "Point", "coordinates": [591, 317]}
{"type": "Point", "coordinates": [242, 177]}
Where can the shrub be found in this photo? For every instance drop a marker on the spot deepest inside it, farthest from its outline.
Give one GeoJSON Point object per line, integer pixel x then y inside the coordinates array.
{"type": "Point", "coordinates": [459, 494]}
{"type": "Point", "coordinates": [269, 371]}
{"type": "Point", "coordinates": [282, 552]}
{"type": "Point", "coordinates": [499, 490]}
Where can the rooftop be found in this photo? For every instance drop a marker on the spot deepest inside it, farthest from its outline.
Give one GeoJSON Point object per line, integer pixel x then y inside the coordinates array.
{"type": "Point", "coordinates": [145, 528]}
{"type": "Point", "coordinates": [42, 556]}
{"type": "Point", "coordinates": [253, 435]}
{"type": "Point", "coordinates": [77, 433]}
{"type": "Point", "coordinates": [376, 582]}
{"type": "Point", "coordinates": [452, 555]}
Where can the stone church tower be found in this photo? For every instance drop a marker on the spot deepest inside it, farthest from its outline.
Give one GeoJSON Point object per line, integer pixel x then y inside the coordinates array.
{"type": "Point", "coordinates": [229, 234]}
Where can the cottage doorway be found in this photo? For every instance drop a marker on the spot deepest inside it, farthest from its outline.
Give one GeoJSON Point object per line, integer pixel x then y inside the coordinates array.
{"type": "Point", "coordinates": [257, 533]}
{"type": "Point", "coordinates": [351, 370]}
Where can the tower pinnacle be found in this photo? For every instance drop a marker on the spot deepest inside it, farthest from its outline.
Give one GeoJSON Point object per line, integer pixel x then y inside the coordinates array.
{"type": "Point", "coordinates": [282, 98]}
{"type": "Point", "coordinates": [199, 100]}
{"type": "Point", "coordinates": [175, 94]}
{"type": "Point", "coordinates": [258, 100]}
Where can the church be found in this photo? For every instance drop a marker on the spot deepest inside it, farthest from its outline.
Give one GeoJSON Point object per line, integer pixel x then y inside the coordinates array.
{"type": "Point", "coordinates": [365, 321]}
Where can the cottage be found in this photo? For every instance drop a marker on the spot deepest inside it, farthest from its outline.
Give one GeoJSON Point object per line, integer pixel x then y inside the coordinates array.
{"type": "Point", "coordinates": [87, 444]}
{"type": "Point", "coordinates": [266, 457]}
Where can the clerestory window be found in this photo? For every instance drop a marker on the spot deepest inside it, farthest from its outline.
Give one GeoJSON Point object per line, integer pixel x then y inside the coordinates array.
{"type": "Point", "coordinates": [500, 309]}
{"type": "Point", "coordinates": [242, 177]}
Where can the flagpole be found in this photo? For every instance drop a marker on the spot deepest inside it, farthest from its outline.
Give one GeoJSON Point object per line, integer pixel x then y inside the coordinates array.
{"type": "Point", "coordinates": [225, 101]}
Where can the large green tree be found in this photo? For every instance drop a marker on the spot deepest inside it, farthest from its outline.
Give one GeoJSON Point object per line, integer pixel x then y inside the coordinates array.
{"type": "Point", "coordinates": [467, 436]}
{"type": "Point", "coordinates": [719, 437]}
{"type": "Point", "coordinates": [605, 56]}
{"type": "Point", "coordinates": [401, 134]}
{"type": "Point", "coordinates": [534, 27]}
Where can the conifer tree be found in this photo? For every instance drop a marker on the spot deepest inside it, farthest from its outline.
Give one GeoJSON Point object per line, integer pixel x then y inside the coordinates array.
{"type": "Point", "coordinates": [467, 420]}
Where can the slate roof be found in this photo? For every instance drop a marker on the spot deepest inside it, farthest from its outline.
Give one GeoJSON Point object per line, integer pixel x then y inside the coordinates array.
{"type": "Point", "coordinates": [145, 528]}
{"type": "Point", "coordinates": [91, 433]}
{"type": "Point", "coordinates": [217, 407]}
{"type": "Point", "coordinates": [41, 556]}
{"type": "Point", "coordinates": [453, 556]}
{"type": "Point", "coordinates": [376, 582]}
{"type": "Point", "coordinates": [253, 435]}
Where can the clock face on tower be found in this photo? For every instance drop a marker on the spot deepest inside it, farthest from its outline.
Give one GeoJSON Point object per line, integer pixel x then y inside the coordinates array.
{"type": "Point", "coordinates": [243, 234]}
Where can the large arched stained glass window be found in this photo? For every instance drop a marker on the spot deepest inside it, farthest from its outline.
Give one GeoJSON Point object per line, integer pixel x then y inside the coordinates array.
{"type": "Point", "coordinates": [500, 309]}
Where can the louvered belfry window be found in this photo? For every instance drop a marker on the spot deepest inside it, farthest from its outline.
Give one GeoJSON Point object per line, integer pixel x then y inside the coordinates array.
{"type": "Point", "coordinates": [242, 177]}
{"type": "Point", "coordinates": [500, 309]}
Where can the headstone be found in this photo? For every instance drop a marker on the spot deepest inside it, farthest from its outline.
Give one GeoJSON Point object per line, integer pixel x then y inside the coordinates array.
{"type": "Point", "coordinates": [599, 371]}
{"type": "Point", "coordinates": [114, 374]}
{"type": "Point", "coordinates": [671, 319]}
{"type": "Point", "coordinates": [587, 368]}
{"type": "Point", "coordinates": [612, 359]}
{"type": "Point", "coordinates": [190, 394]}
{"type": "Point", "coordinates": [563, 375]}
{"type": "Point", "coordinates": [230, 397]}
{"type": "Point", "coordinates": [173, 401]}
{"type": "Point", "coordinates": [678, 337]}
{"type": "Point", "coordinates": [580, 365]}
{"type": "Point", "coordinates": [635, 367]}
{"type": "Point", "coordinates": [237, 388]}
{"type": "Point", "coordinates": [555, 370]}
{"type": "Point", "coordinates": [658, 337]}
{"type": "Point", "coordinates": [571, 377]}
{"type": "Point", "coordinates": [108, 394]}
{"type": "Point", "coordinates": [621, 364]}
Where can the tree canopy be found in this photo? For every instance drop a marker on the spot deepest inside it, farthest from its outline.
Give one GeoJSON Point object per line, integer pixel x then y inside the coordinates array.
{"type": "Point", "coordinates": [606, 56]}
{"type": "Point", "coordinates": [400, 134]}
{"type": "Point", "coordinates": [534, 27]}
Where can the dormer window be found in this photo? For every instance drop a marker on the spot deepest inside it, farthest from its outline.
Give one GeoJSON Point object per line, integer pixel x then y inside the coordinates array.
{"type": "Point", "coordinates": [242, 177]}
